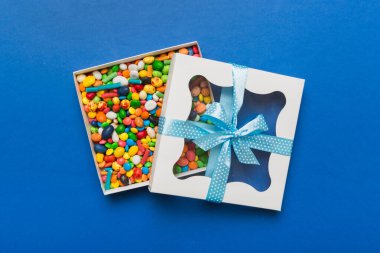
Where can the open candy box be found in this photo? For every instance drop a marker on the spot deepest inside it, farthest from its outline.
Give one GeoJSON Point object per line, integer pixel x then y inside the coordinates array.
{"type": "Point", "coordinates": [234, 147]}
{"type": "Point", "coordinates": [121, 104]}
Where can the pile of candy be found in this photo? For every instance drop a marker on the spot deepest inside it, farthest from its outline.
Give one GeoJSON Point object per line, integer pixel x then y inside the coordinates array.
{"type": "Point", "coordinates": [193, 157]}
{"type": "Point", "coordinates": [123, 104]}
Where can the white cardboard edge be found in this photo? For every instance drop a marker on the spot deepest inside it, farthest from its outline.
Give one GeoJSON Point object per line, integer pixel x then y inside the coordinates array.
{"type": "Point", "coordinates": [177, 105]}
{"type": "Point", "coordinates": [84, 115]}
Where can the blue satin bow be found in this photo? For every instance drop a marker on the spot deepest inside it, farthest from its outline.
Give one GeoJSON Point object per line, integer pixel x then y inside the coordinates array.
{"type": "Point", "coordinates": [223, 134]}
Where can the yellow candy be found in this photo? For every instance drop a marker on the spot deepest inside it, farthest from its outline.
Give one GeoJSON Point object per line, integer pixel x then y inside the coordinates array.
{"type": "Point", "coordinates": [116, 100]}
{"type": "Point", "coordinates": [109, 151]}
{"type": "Point", "coordinates": [123, 136]}
{"type": "Point", "coordinates": [84, 94]}
{"type": "Point", "coordinates": [151, 148]}
{"type": "Point", "coordinates": [143, 73]}
{"type": "Point", "coordinates": [133, 150]}
{"type": "Point", "coordinates": [129, 173]}
{"type": "Point", "coordinates": [149, 89]}
{"type": "Point", "coordinates": [139, 165]}
{"type": "Point", "coordinates": [200, 97]}
{"type": "Point", "coordinates": [109, 121]}
{"type": "Point", "coordinates": [156, 82]}
{"type": "Point", "coordinates": [88, 81]}
{"type": "Point", "coordinates": [92, 115]}
{"type": "Point", "coordinates": [144, 141]}
{"type": "Point", "coordinates": [135, 96]}
{"type": "Point", "coordinates": [134, 130]}
{"type": "Point", "coordinates": [119, 152]}
{"type": "Point", "coordinates": [138, 180]}
{"type": "Point", "coordinates": [126, 156]}
{"type": "Point", "coordinates": [99, 157]}
{"type": "Point", "coordinates": [196, 158]}
{"type": "Point", "coordinates": [132, 110]}
{"type": "Point", "coordinates": [148, 138]}
{"type": "Point", "coordinates": [115, 185]}
{"type": "Point", "coordinates": [100, 93]}
{"type": "Point", "coordinates": [85, 100]}
{"type": "Point", "coordinates": [207, 100]}
{"type": "Point", "coordinates": [116, 166]}
{"type": "Point", "coordinates": [148, 60]}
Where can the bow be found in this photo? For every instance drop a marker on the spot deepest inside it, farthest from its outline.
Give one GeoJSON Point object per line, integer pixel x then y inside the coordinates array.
{"type": "Point", "coordinates": [223, 135]}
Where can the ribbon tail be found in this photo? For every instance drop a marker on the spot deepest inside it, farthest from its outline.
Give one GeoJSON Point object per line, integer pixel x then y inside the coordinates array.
{"type": "Point", "coordinates": [220, 174]}
{"type": "Point", "coordinates": [269, 143]}
{"type": "Point", "coordinates": [244, 153]}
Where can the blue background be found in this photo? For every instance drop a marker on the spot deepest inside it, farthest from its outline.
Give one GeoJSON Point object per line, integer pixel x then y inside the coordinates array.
{"type": "Point", "coordinates": [49, 191]}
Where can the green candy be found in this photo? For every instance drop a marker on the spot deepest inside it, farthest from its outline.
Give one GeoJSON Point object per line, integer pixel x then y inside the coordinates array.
{"type": "Point", "coordinates": [115, 68]}
{"type": "Point", "coordinates": [148, 164]}
{"type": "Point", "coordinates": [108, 145]}
{"type": "Point", "coordinates": [204, 158]}
{"type": "Point", "coordinates": [200, 164]}
{"type": "Point", "coordinates": [135, 103]}
{"type": "Point", "coordinates": [104, 124]}
{"type": "Point", "coordinates": [151, 144]}
{"type": "Point", "coordinates": [129, 96]}
{"type": "Point", "coordinates": [157, 73]}
{"type": "Point", "coordinates": [94, 130]}
{"type": "Point", "coordinates": [110, 103]}
{"type": "Point", "coordinates": [157, 65]}
{"type": "Point", "coordinates": [96, 99]}
{"type": "Point", "coordinates": [164, 78]}
{"type": "Point", "coordinates": [177, 169]}
{"type": "Point", "coordinates": [114, 145]}
{"type": "Point", "coordinates": [132, 136]}
{"type": "Point", "coordinates": [159, 94]}
{"type": "Point", "coordinates": [167, 62]}
{"type": "Point", "coordinates": [109, 77]}
{"type": "Point", "coordinates": [122, 113]}
{"type": "Point", "coordinates": [120, 129]}
{"type": "Point", "coordinates": [151, 125]}
{"type": "Point", "coordinates": [119, 120]}
{"type": "Point", "coordinates": [165, 70]}
{"type": "Point", "coordinates": [199, 151]}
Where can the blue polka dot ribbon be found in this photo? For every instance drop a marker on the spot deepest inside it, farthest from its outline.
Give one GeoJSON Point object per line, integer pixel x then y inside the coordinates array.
{"type": "Point", "coordinates": [223, 135]}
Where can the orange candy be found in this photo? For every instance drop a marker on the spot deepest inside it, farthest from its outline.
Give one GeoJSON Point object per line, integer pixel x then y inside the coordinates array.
{"type": "Point", "coordinates": [170, 54]}
{"type": "Point", "coordinates": [193, 165]}
{"type": "Point", "coordinates": [98, 83]}
{"type": "Point", "coordinates": [144, 177]}
{"type": "Point", "coordinates": [158, 112]}
{"type": "Point", "coordinates": [138, 112]}
{"type": "Point", "coordinates": [200, 108]}
{"type": "Point", "coordinates": [104, 71]}
{"type": "Point", "coordinates": [81, 87]}
{"type": "Point", "coordinates": [149, 70]}
{"type": "Point", "coordinates": [126, 73]}
{"type": "Point", "coordinates": [161, 88]}
{"type": "Point", "coordinates": [183, 51]}
{"type": "Point", "coordinates": [145, 114]}
{"type": "Point", "coordinates": [113, 178]}
{"type": "Point", "coordinates": [95, 137]}
{"type": "Point", "coordinates": [101, 117]}
{"type": "Point", "coordinates": [139, 122]}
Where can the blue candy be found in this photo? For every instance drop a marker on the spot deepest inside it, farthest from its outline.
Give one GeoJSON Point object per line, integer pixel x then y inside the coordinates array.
{"type": "Point", "coordinates": [100, 148]}
{"type": "Point", "coordinates": [185, 168]}
{"type": "Point", "coordinates": [131, 142]}
{"type": "Point", "coordinates": [149, 97]}
{"type": "Point", "coordinates": [127, 166]}
{"type": "Point", "coordinates": [146, 122]}
{"type": "Point", "coordinates": [190, 49]}
{"type": "Point", "coordinates": [145, 170]}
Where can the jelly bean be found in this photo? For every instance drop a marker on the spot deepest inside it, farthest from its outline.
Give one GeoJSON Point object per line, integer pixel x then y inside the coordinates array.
{"type": "Point", "coordinates": [132, 136]}
{"type": "Point", "coordinates": [150, 105]}
{"type": "Point", "coordinates": [157, 73]}
{"type": "Point", "coordinates": [120, 129]}
{"type": "Point", "coordinates": [147, 60]}
{"type": "Point", "coordinates": [145, 170]}
{"type": "Point", "coordinates": [165, 69]}
{"type": "Point", "coordinates": [100, 148]}
{"type": "Point", "coordinates": [195, 91]}
{"type": "Point", "coordinates": [140, 65]}
{"type": "Point", "coordinates": [80, 78]}
{"type": "Point", "coordinates": [120, 79]}
{"type": "Point", "coordinates": [124, 180]}
{"type": "Point", "coordinates": [185, 168]}
{"type": "Point", "coordinates": [134, 74]}
{"type": "Point", "coordinates": [115, 137]}
{"type": "Point", "coordinates": [132, 67]}
{"type": "Point", "coordinates": [95, 137]}
{"type": "Point", "coordinates": [182, 161]}
{"type": "Point", "coordinates": [123, 66]}
{"type": "Point", "coordinates": [184, 51]}
{"type": "Point", "coordinates": [193, 165]}
{"type": "Point", "coordinates": [133, 150]}
{"type": "Point", "coordinates": [127, 166]}
{"type": "Point", "coordinates": [137, 173]}
{"type": "Point", "coordinates": [164, 78]}
{"type": "Point", "coordinates": [136, 159]}
{"type": "Point", "coordinates": [157, 65]}
{"type": "Point", "coordinates": [107, 132]}
{"type": "Point", "coordinates": [156, 82]}
{"type": "Point", "coordinates": [119, 152]}
{"type": "Point", "coordinates": [111, 115]}
{"type": "Point", "coordinates": [88, 81]}
{"type": "Point", "coordinates": [190, 155]}
{"type": "Point", "coordinates": [99, 157]}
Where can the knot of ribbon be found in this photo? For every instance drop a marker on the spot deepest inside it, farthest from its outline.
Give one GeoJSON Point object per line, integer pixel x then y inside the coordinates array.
{"type": "Point", "coordinates": [223, 135]}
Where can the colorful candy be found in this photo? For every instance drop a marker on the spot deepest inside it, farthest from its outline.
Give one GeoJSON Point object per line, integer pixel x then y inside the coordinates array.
{"type": "Point", "coordinates": [123, 104]}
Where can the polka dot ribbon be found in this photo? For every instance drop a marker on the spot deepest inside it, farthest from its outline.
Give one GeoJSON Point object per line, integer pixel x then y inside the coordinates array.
{"type": "Point", "coordinates": [223, 135]}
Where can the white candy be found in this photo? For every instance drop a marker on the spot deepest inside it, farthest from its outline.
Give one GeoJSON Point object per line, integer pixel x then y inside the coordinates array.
{"type": "Point", "coordinates": [134, 74]}
{"type": "Point", "coordinates": [81, 77]}
{"type": "Point", "coordinates": [155, 97]}
{"type": "Point", "coordinates": [111, 115]}
{"type": "Point", "coordinates": [132, 67]}
{"type": "Point", "coordinates": [140, 65]}
{"type": "Point", "coordinates": [123, 66]}
{"type": "Point", "coordinates": [142, 95]}
{"type": "Point", "coordinates": [100, 130]}
{"type": "Point", "coordinates": [150, 105]}
{"type": "Point", "coordinates": [115, 137]}
{"type": "Point", "coordinates": [120, 79]}
{"type": "Point", "coordinates": [136, 159]}
{"type": "Point", "coordinates": [97, 75]}
{"type": "Point", "coordinates": [151, 132]}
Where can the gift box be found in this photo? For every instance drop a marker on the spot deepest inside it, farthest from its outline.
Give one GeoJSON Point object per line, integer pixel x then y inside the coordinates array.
{"type": "Point", "coordinates": [244, 136]}
{"type": "Point", "coordinates": [120, 103]}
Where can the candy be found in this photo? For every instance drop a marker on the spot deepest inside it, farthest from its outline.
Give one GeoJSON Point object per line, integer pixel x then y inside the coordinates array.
{"type": "Point", "coordinates": [123, 105]}
{"type": "Point", "coordinates": [150, 105]}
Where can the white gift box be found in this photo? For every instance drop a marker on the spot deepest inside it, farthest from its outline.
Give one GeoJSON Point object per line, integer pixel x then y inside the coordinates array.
{"type": "Point", "coordinates": [177, 105]}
